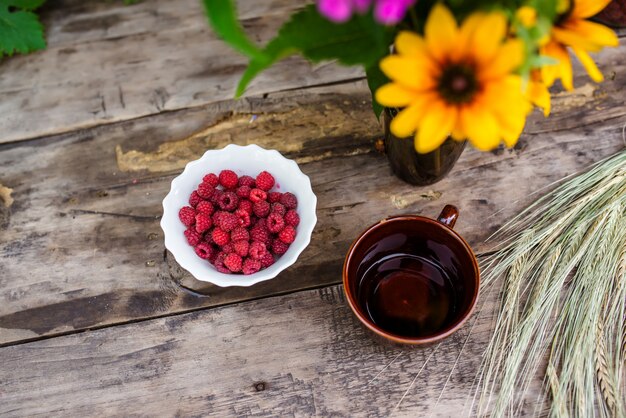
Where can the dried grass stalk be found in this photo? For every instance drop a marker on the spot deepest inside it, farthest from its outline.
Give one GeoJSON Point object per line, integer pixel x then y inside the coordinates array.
{"type": "Point", "coordinates": [563, 301]}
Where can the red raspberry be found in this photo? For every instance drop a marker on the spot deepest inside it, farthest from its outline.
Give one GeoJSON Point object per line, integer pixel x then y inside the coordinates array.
{"type": "Point", "coordinates": [265, 181]}
{"type": "Point", "coordinates": [228, 221]}
{"type": "Point", "coordinates": [279, 247]}
{"type": "Point", "coordinates": [288, 234]}
{"type": "Point", "coordinates": [205, 190]}
{"type": "Point", "coordinates": [245, 205]}
{"type": "Point", "coordinates": [275, 223]}
{"type": "Point", "coordinates": [216, 217]}
{"type": "Point", "coordinates": [203, 222]}
{"type": "Point", "coordinates": [246, 181]}
{"type": "Point", "coordinates": [208, 239]}
{"type": "Point", "coordinates": [233, 262]}
{"type": "Point", "coordinates": [256, 195]}
{"type": "Point", "coordinates": [216, 197]}
{"type": "Point", "coordinates": [267, 260]}
{"type": "Point", "coordinates": [194, 199]}
{"type": "Point", "coordinates": [289, 200]}
{"type": "Point", "coordinates": [278, 208]}
{"type": "Point", "coordinates": [205, 207]}
{"type": "Point", "coordinates": [257, 250]}
{"type": "Point", "coordinates": [243, 192]}
{"type": "Point", "coordinates": [219, 263]}
{"type": "Point", "coordinates": [220, 237]}
{"type": "Point", "coordinates": [241, 247]}
{"type": "Point", "coordinates": [243, 218]}
{"type": "Point", "coordinates": [228, 248]}
{"type": "Point", "coordinates": [261, 234]}
{"type": "Point", "coordinates": [239, 233]}
{"type": "Point", "coordinates": [193, 238]}
{"type": "Point", "coordinates": [292, 218]}
{"type": "Point", "coordinates": [251, 266]}
{"type": "Point", "coordinates": [187, 215]}
{"type": "Point", "coordinates": [228, 179]}
{"type": "Point", "coordinates": [274, 197]}
{"type": "Point", "coordinates": [261, 208]}
{"type": "Point", "coordinates": [228, 201]}
{"type": "Point", "coordinates": [212, 179]}
{"type": "Point", "coordinates": [213, 255]}
{"type": "Point", "coordinates": [204, 250]}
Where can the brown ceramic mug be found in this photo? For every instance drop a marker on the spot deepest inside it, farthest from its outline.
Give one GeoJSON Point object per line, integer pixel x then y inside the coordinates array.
{"type": "Point", "coordinates": [412, 279]}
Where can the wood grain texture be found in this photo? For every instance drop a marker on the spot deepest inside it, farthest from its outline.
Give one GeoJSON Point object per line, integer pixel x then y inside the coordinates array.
{"type": "Point", "coordinates": [108, 62]}
{"type": "Point", "coordinates": [297, 355]}
{"type": "Point", "coordinates": [80, 246]}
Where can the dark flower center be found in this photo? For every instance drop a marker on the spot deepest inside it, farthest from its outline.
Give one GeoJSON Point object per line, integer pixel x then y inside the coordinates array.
{"type": "Point", "coordinates": [458, 83]}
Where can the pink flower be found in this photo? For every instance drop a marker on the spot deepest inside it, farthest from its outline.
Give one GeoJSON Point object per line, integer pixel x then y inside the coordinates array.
{"type": "Point", "coordinates": [335, 10]}
{"type": "Point", "coordinates": [390, 12]}
{"type": "Point", "coordinates": [387, 12]}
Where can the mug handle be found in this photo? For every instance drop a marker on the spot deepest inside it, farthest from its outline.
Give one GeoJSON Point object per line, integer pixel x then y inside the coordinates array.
{"type": "Point", "coordinates": [448, 216]}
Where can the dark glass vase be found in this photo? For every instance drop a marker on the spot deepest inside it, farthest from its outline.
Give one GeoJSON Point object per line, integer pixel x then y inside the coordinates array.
{"type": "Point", "coordinates": [614, 14]}
{"type": "Point", "coordinates": [415, 168]}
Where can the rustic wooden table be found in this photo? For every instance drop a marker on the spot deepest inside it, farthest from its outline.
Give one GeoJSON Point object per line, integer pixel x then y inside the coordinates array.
{"type": "Point", "coordinates": [96, 318]}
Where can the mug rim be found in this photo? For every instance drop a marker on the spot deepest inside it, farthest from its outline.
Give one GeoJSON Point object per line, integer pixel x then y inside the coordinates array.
{"type": "Point", "coordinates": [398, 338]}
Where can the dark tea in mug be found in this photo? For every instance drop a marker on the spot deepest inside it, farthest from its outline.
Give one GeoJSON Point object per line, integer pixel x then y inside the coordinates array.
{"type": "Point", "coordinates": [412, 279]}
{"type": "Point", "coordinates": [406, 290]}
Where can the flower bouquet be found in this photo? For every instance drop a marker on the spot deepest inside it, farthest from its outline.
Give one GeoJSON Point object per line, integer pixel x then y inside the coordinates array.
{"type": "Point", "coordinates": [466, 70]}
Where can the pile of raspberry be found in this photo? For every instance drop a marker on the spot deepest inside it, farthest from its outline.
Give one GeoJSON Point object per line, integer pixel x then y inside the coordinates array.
{"type": "Point", "coordinates": [237, 223]}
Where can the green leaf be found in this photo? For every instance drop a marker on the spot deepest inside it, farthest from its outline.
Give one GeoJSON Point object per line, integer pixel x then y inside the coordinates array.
{"type": "Point", "coordinates": [357, 41]}
{"type": "Point", "coordinates": [223, 18]}
{"type": "Point", "coordinates": [546, 8]}
{"type": "Point", "coordinates": [375, 79]}
{"type": "Point", "coordinates": [24, 4]}
{"type": "Point", "coordinates": [20, 31]}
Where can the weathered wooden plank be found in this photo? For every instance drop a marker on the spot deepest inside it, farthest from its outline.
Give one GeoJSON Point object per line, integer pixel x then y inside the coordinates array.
{"type": "Point", "coordinates": [92, 198]}
{"type": "Point", "coordinates": [297, 355]}
{"type": "Point", "coordinates": [108, 62]}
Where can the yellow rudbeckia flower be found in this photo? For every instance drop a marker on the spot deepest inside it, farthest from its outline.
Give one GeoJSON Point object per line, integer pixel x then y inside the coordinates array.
{"type": "Point", "coordinates": [574, 30]}
{"type": "Point", "coordinates": [456, 81]}
{"type": "Point", "coordinates": [537, 92]}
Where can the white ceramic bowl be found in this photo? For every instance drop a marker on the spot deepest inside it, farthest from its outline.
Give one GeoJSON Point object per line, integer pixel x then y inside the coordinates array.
{"type": "Point", "coordinates": [249, 160]}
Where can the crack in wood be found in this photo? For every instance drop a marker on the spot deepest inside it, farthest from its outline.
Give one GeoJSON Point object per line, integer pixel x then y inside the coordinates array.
{"type": "Point", "coordinates": [120, 215]}
{"type": "Point", "coordinates": [313, 121]}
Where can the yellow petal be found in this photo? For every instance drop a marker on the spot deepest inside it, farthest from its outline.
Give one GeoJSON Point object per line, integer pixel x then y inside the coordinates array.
{"type": "Point", "coordinates": [588, 8]}
{"type": "Point", "coordinates": [539, 95]}
{"type": "Point", "coordinates": [394, 95]}
{"type": "Point", "coordinates": [511, 117]}
{"type": "Point", "coordinates": [409, 43]}
{"type": "Point", "coordinates": [408, 71]}
{"type": "Point", "coordinates": [487, 37]}
{"type": "Point", "coordinates": [562, 70]}
{"type": "Point", "coordinates": [549, 73]}
{"type": "Point", "coordinates": [565, 71]}
{"type": "Point", "coordinates": [407, 121]}
{"type": "Point", "coordinates": [457, 132]}
{"type": "Point", "coordinates": [594, 33]}
{"type": "Point", "coordinates": [480, 126]}
{"type": "Point", "coordinates": [441, 32]}
{"type": "Point", "coordinates": [571, 38]}
{"type": "Point", "coordinates": [505, 89]}
{"type": "Point", "coordinates": [509, 57]}
{"type": "Point", "coordinates": [527, 16]}
{"type": "Point", "coordinates": [435, 127]}
{"type": "Point", "coordinates": [589, 65]}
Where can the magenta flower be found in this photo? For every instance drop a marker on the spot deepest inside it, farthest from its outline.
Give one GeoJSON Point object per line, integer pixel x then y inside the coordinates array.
{"type": "Point", "coordinates": [387, 12]}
